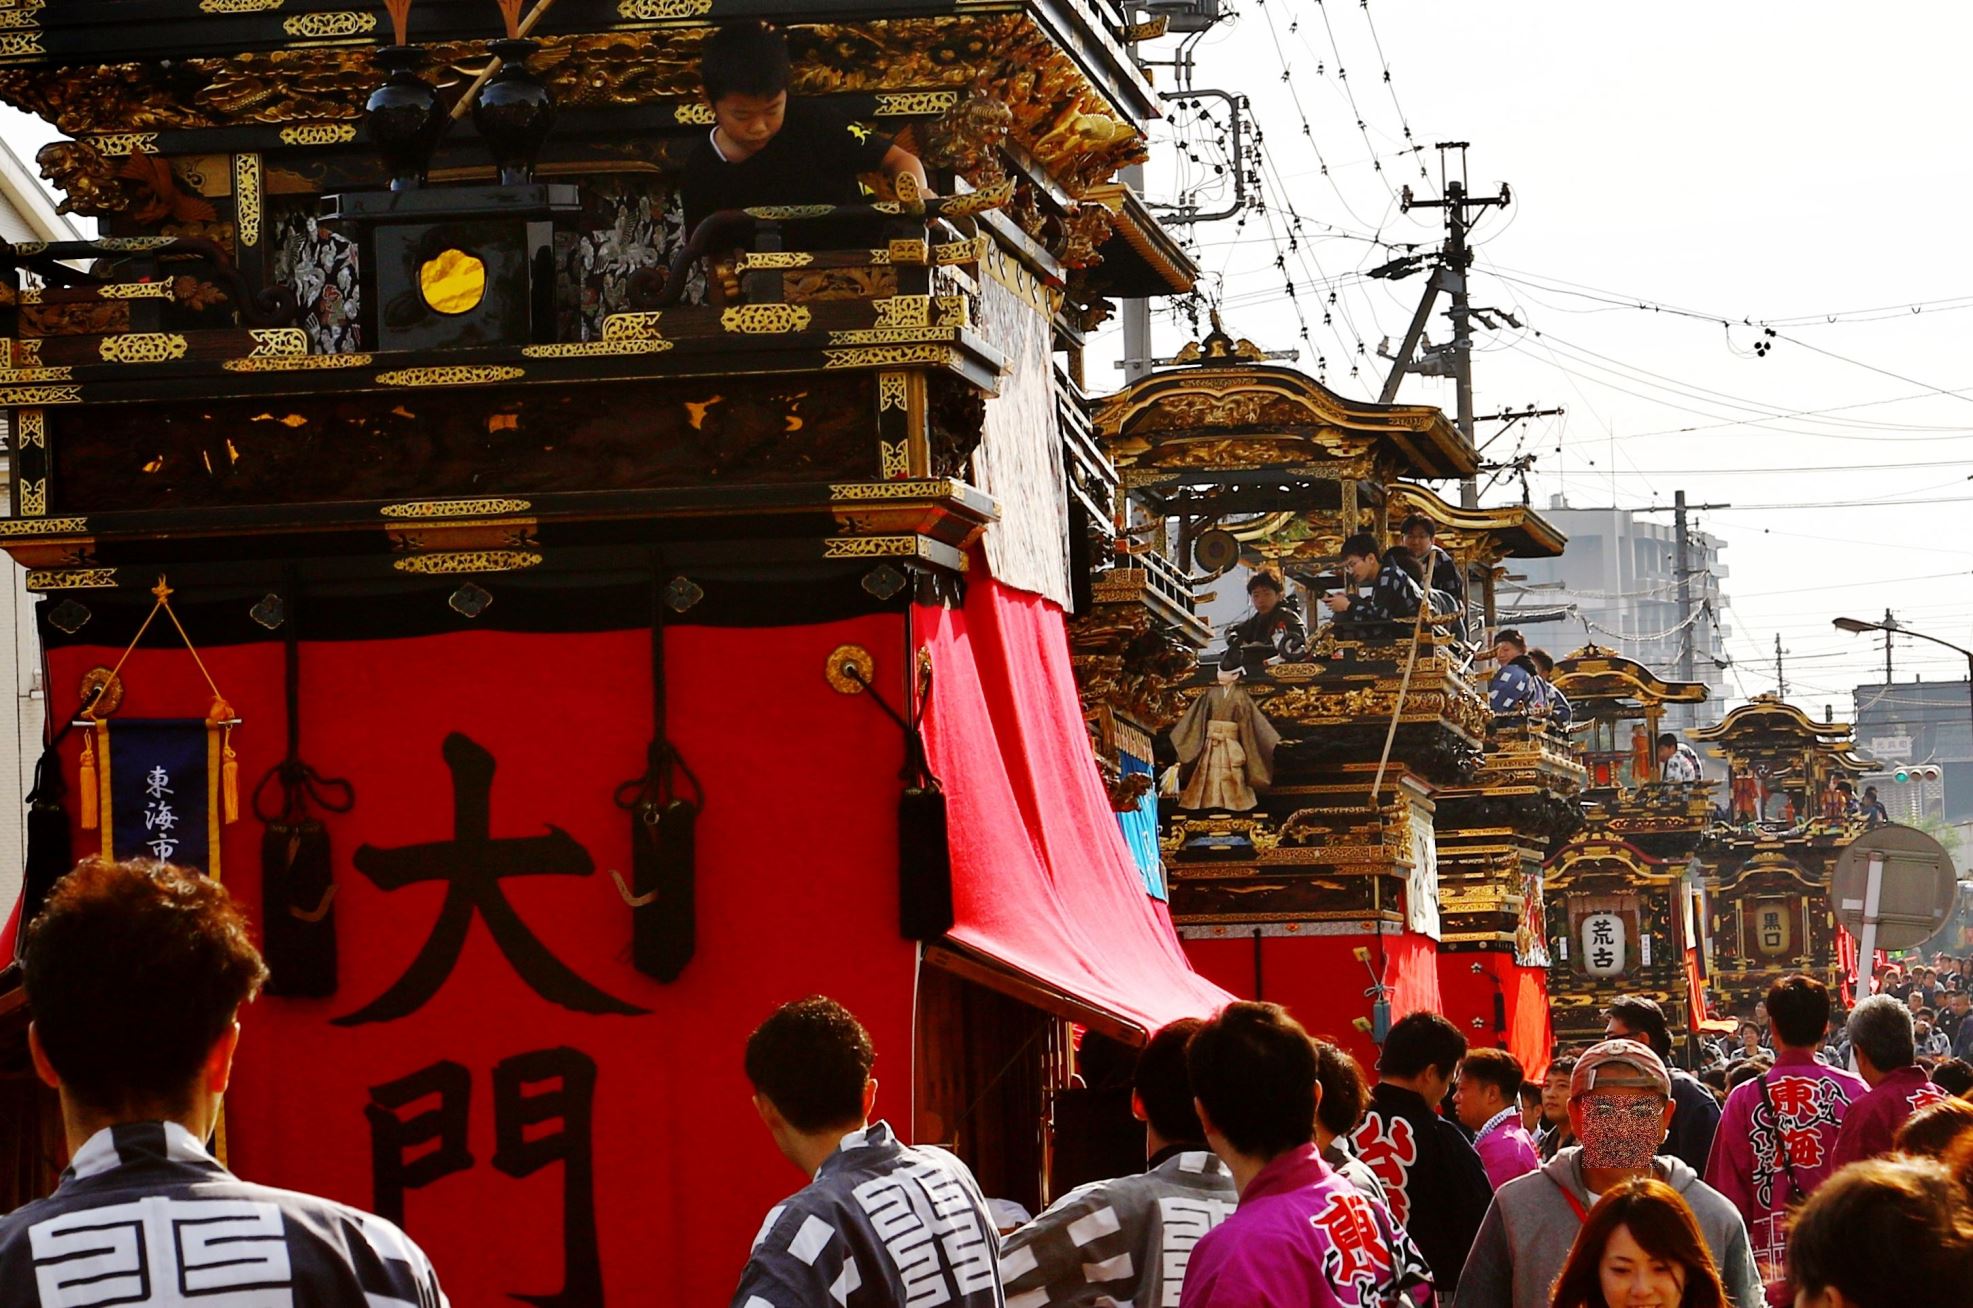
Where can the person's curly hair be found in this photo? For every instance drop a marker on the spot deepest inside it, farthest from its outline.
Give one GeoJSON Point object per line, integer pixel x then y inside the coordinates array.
{"type": "Point", "coordinates": [133, 971]}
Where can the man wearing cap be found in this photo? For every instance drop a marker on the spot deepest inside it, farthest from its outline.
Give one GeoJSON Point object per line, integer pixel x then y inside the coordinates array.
{"type": "Point", "coordinates": [1620, 1104]}
{"type": "Point", "coordinates": [1777, 1136]}
{"type": "Point", "coordinates": [1637, 1017]}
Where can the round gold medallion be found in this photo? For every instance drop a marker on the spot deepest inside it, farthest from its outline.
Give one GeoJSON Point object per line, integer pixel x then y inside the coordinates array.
{"type": "Point", "coordinates": [453, 283]}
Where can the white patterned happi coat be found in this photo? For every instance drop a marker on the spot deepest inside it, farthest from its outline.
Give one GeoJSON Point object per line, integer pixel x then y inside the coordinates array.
{"type": "Point", "coordinates": [144, 1217]}
{"type": "Point", "coordinates": [882, 1225]}
{"type": "Point", "coordinates": [1125, 1241]}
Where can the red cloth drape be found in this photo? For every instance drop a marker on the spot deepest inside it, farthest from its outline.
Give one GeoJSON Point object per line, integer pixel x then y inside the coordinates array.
{"type": "Point", "coordinates": [797, 894]}
{"type": "Point", "coordinates": [1695, 991]}
{"type": "Point", "coordinates": [1523, 991]}
{"type": "Point", "coordinates": [1043, 883]}
{"type": "Point", "coordinates": [1319, 980]}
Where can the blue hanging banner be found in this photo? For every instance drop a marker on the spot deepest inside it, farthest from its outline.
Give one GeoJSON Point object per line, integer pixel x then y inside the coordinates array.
{"type": "Point", "coordinates": [1140, 828]}
{"type": "Point", "coordinates": [159, 788]}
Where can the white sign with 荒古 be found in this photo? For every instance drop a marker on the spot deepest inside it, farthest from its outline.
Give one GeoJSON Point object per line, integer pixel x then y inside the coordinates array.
{"type": "Point", "coordinates": [1603, 944]}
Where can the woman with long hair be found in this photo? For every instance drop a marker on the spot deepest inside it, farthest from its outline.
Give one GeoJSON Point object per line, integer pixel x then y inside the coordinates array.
{"type": "Point", "coordinates": [1640, 1248]}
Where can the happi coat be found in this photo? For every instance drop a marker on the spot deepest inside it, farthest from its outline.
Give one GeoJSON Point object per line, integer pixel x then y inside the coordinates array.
{"type": "Point", "coordinates": [1802, 1111]}
{"type": "Point", "coordinates": [144, 1215]}
{"type": "Point", "coordinates": [1873, 1120]}
{"type": "Point", "coordinates": [882, 1225]}
{"type": "Point", "coordinates": [1437, 1187]}
{"type": "Point", "coordinates": [1303, 1237]}
{"type": "Point", "coordinates": [1506, 1149]}
{"type": "Point", "coordinates": [1122, 1241]}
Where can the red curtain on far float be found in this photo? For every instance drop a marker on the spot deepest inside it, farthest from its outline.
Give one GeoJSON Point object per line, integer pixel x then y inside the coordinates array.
{"type": "Point", "coordinates": [1319, 980]}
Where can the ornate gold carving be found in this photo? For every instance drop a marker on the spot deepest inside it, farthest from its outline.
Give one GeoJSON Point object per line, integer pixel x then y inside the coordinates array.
{"type": "Point", "coordinates": [330, 25]}
{"type": "Point", "coordinates": [869, 547]}
{"type": "Point", "coordinates": [297, 362]}
{"type": "Point", "coordinates": [952, 311]}
{"type": "Point", "coordinates": [238, 6]}
{"type": "Point", "coordinates": [967, 140]}
{"type": "Point", "coordinates": [37, 526]}
{"type": "Point", "coordinates": [143, 347]}
{"type": "Point", "coordinates": [632, 326]}
{"type": "Point", "coordinates": [14, 396]}
{"type": "Point", "coordinates": [135, 290]}
{"type": "Point", "coordinates": [698, 114]}
{"type": "Point", "coordinates": [896, 103]}
{"type": "Point", "coordinates": [24, 17]}
{"type": "Point", "coordinates": [438, 565]}
{"type": "Point", "coordinates": [893, 459]}
{"type": "Point", "coordinates": [903, 311]}
{"type": "Point", "coordinates": [15, 376]}
{"type": "Point", "coordinates": [653, 10]}
{"type": "Point", "coordinates": [458, 374]}
{"type": "Point", "coordinates": [21, 45]}
{"type": "Point", "coordinates": [909, 251]}
{"type": "Point", "coordinates": [891, 335]}
{"type": "Point", "coordinates": [454, 508]}
{"type": "Point", "coordinates": [31, 430]}
{"type": "Point", "coordinates": [1085, 228]}
{"type": "Point", "coordinates": [773, 259]}
{"type": "Point", "coordinates": [318, 133]}
{"type": "Point", "coordinates": [981, 201]}
{"type": "Point", "coordinates": [246, 198]}
{"type": "Point", "coordinates": [961, 253]}
{"type": "Point", "coordinates": [893, 391]}
{"type": "Point", "coordinates": [765, 319]}
{"type": "Point", "coordinates": [277, 342]}
{"type": "Point", "coordinates": [889, 490]}
{"type": "Point", "coordinates": [775, 213]}
{"type": "Point", "coordinates": [595, 349]}
{"type": "Point", "coordinates": [40, 579]}
{"type": "Point", "coordinates": [888, 356]}
{"type": "Point", "coordinates": [120, 143]}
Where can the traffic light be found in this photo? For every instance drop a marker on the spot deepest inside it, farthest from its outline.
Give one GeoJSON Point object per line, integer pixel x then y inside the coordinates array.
{"type": "Point", "coordinates": [1904, 775]}
{"type": "Point", "coordinates": [1901, 776]}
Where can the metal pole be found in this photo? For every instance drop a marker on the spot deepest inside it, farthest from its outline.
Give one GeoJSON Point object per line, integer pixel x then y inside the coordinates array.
{"type": "Point", "coordinates": [1136, 313]}
{"type": "Point", "coordinates": [1682, 564]}
{"type": "Point", "coordinates": [1873, 894]}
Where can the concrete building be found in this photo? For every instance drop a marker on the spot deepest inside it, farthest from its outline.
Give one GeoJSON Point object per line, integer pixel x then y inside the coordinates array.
{"type": "Point", "coordinates": [27, 213]}
{"type": "Point", "coordinates": [1913, 725]}
{"type": "Point", "coordinates": [1617, 585]}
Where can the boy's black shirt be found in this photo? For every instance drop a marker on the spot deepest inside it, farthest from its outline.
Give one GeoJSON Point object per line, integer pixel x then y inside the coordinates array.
{"type": "Point", "coordinates": [814, 159]}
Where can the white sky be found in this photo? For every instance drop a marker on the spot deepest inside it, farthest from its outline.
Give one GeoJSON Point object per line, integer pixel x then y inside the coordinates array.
{"type": "Point", "coordinates": [1755, 162]}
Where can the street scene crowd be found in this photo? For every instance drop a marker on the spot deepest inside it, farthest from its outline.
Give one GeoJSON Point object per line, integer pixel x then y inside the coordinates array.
{"type": "Point", "coordinates": [1824, 1160]}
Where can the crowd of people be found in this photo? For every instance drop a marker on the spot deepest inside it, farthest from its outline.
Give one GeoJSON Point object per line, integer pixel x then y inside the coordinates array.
{"type": "Point", "coordinates": [1277, 1173]}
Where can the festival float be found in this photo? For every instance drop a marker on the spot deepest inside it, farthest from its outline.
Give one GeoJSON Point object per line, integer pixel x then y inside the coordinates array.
{"type": "Point", "coordinates": [1297, 833]}
{"type": "Point", "coordinates": [1768, 866]}
{"type": "Point", "coordinates": [570, 640]}
{"type": "Point", "coordinates": [1624, 906]}
{"type": "Point", "coordinates": [1495, 830]}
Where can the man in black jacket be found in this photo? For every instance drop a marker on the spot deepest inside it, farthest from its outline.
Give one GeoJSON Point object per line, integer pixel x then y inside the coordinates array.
{"type": "Point", "coordinates": [1437, 1188]}
{"type": "Point", "coordinates": [1421, 538]}
{"type": "Point", "coordinates": [1697, 1114]}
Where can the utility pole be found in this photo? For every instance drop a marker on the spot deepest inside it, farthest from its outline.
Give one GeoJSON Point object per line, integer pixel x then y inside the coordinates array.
{"type": "Point", "coordinates": [1890, 625]}
{"type": "Point", "coordinates": [1682, 565]}
{"type": "Point", "coordinates": [1450, 277]}
{"type": "Point", "coordinates": [1780, 676]}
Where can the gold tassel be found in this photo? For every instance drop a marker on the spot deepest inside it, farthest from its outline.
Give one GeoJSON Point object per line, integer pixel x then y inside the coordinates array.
{"type": "Point", "coordinates": [88, 783]}
{"type": "Point", "coordinates": [229, 777]}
